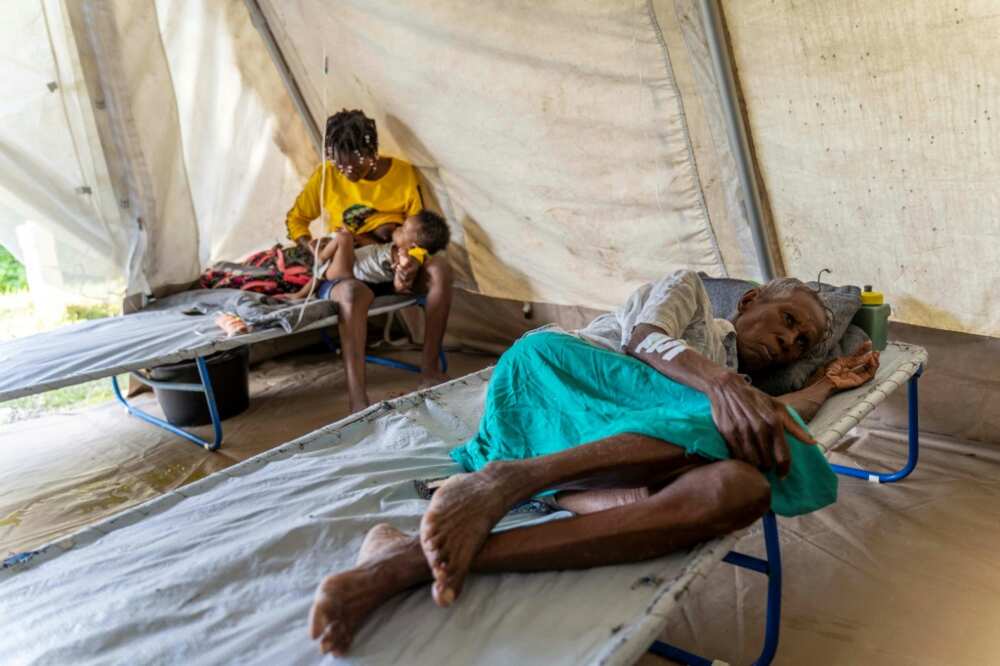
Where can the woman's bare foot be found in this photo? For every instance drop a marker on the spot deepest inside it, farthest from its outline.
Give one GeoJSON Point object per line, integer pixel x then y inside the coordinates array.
{"type": "Point", "coordinates": [388, 563]}
{"type": "Point", "coordinates": [462, 513]}
{"type": "Point", "coordinates": [357, 403]}
{"type": "Point", "coordinates": [382, 537]}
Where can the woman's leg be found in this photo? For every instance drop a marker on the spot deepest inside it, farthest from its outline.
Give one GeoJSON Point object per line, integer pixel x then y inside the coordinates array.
{"type": "Point", "coordinates": [353, 298]}
{"type": "Point", "coordinates": [465, 509]}
{"type": "Point", "coordinates": [704, 502]}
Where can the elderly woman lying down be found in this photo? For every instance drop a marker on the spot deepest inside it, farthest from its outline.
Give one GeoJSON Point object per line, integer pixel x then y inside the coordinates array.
{"type": "Point", "coordinates": [645, 424]}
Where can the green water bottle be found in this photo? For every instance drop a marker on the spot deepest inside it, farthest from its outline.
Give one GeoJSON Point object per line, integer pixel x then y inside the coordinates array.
{"type": "Point", "coordinates": [873, 317]}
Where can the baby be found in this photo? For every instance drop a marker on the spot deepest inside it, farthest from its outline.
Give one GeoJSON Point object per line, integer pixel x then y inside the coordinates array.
{"type": "Point", "coordinates": [419, 236]}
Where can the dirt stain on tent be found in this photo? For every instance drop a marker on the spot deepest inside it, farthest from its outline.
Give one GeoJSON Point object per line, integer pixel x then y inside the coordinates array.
{"type": "Point", "coordinates": [915, 311]}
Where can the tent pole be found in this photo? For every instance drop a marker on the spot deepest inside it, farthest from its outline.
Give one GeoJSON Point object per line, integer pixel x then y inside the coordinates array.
{"type": "Point", "coordinates": [260, 22]}
{"type": "Point", "coordinates": [711, 18]}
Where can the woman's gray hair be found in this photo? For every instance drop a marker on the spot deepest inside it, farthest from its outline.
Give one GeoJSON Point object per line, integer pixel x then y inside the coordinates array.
{"type": "Point", "coordinates": [782, 288]}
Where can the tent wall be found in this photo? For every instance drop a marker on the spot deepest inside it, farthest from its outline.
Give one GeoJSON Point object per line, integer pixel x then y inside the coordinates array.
{"type": "Point", "coordinates": [684, 37]}
{"type": "Point", "coordinates": [576, 150]}
{"type": "Point", "coordinates": [959, 393]}
{"type": "Point", "coordinates": [58, 209]}
{"type": "Point", "coordinates": [875, 126]}
{"type": "Point", "coordinates": [214, 152]}
{"type": "Point", "coordinates": [141, 141]}
{"type": "Point", "coordinates": [135, 80]}
{"type": "Point", "coordinates": [556, 137]}
{"type": "Point", "coordinates": [246, 151]}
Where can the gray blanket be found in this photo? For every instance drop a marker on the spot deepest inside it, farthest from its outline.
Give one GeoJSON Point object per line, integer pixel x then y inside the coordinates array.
{"type": "Point", "coordinates": [257, 310]}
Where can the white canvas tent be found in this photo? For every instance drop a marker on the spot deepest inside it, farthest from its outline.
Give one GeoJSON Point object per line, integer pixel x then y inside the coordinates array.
{"type": "Point", "coordinates": [212, 177]}
{"type": "Point", "coordinates": [576, 149]}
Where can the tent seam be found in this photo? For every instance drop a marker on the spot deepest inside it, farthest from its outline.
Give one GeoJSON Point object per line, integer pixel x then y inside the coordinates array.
{"type": "Point", "coordinates": [77, 153]}
{"type": "Point", "coordinates": [658, 31]}
{"type": "Point", "coordinates": [180, 137]}
{"type": "Point", "coordinates": [138, 182]}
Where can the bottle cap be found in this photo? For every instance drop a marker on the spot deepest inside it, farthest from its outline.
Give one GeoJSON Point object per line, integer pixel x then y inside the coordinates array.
{"type": "Point", "coordinates": [869, 297]}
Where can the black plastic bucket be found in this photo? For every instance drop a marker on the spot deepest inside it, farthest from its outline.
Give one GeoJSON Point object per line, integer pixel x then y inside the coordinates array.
{"type": "Point", "coordinates": [229, 372]}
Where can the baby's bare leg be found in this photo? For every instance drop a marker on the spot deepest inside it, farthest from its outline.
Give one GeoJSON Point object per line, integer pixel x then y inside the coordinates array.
{"type": "Point", "coordinates": [340, 252]}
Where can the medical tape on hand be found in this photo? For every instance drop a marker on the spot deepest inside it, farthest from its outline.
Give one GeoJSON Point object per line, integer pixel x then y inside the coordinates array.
{"type": "Point", "coordinates": [662, 344]}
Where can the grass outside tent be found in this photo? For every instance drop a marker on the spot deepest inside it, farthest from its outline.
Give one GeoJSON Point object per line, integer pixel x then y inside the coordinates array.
{"type": "Point", "coordinates": [12, 275]}
{"type": "Point", "coordinates": [18, 319]}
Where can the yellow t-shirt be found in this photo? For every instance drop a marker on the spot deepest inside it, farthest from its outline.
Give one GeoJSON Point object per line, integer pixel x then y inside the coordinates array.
{"type": "Point", "coordinates": [360, 206]}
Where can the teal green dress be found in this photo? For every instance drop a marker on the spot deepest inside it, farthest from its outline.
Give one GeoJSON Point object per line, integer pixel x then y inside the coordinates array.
{"type": "Point", "coordinates": [552, 391]}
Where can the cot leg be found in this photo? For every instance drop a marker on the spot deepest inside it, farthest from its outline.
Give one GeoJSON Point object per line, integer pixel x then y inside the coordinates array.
{"type": "Point", "coordinates": [675, 654]}
{"type": "Point", "coordinates": [913, 441]}
{"type": "Point", "coordinates": [205, 387]}
{"type": "Point", "coordinates": [391, 363]}
{"type": "Point", "coordinates": [773, 621]}
{"type": "Point", "coordinates": [771, 567]}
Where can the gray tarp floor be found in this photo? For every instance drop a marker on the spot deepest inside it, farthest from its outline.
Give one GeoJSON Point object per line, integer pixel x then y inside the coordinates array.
{"type": "Point", "coordinates": [902, 574]}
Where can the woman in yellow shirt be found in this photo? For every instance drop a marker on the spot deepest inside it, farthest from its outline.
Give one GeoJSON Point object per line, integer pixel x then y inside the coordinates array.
{"type": "Point", "coordinates": [363, 191]}
{"type": "Point", "coordinates": [369, 194]}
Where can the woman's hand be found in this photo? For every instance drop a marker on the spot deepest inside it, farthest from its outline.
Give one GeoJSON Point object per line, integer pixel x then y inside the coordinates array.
{"type": "Point", "coordinates": [754, 424]}
{"type": "Point", "coordinates": [847, 372]}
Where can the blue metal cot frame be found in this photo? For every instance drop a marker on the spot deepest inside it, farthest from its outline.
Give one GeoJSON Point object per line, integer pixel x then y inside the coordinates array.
{"type": "Point", "coordinates": [913, 441]}
{"type": "Point", "coordinates": [206, 387]}
{"type": "Point", "coordinates": [771, 567]}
